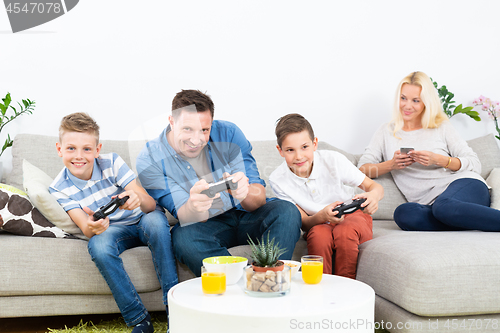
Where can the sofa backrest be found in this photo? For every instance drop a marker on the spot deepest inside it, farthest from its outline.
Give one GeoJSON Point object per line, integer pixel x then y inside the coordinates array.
{"type": "Point", "coordinates": [40, 150]}
{"type": "Point", "coordinates": [268, 158]}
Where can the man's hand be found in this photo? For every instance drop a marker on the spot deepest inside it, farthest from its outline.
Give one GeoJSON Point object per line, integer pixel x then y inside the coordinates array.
{"type": "Point", "coordinates": [200, 203]}
{"type": "Point", "coordinates": [97, 227]}
{"type": "Point", "coordinates": [242, 191]}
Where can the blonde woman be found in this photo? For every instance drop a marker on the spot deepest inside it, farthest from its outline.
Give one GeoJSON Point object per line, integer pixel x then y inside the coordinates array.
{"type": "Point", "coordinates": [440, 176]}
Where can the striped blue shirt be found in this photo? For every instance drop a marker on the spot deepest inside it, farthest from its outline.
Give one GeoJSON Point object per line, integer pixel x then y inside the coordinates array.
{"type": "Point", "coordinates": [110, 175]}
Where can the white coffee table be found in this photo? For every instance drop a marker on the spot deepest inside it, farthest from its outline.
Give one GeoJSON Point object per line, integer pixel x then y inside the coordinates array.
{"type": "Point", "coordinates": [336, 304]}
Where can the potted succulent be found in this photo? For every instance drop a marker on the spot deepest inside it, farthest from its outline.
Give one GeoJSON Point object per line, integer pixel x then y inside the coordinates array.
{"type": "Point", "coordinates": [267, 276]}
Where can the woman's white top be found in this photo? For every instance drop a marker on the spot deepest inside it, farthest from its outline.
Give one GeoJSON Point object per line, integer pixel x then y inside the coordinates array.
{"type": "Point", "coordinates": [418, 183]}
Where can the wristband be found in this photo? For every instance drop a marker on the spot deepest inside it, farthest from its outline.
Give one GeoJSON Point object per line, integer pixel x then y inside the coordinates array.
{"type": "Point", "coordinates": [449, 162]}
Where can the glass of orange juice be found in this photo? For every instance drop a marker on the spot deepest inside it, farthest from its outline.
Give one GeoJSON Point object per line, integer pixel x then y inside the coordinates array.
{"type": "Point", "coordinates": [312, 269]}
{"type": "Point", "coordinates": [213, 281]}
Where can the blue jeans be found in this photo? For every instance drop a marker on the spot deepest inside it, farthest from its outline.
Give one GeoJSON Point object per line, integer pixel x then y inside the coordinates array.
{"type": "Point", "coordinates": [195, 242]}
{"type": "Point", "coordinates": [464, 205]}
{"type": "Point", "coordinates": [152, 230]}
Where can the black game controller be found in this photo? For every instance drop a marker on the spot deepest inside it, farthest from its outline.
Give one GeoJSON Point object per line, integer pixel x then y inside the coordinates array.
{"type": "Point", "coordinates": [349, 207]}
{"type": "Point", "coordinates": [223, 185]}
{"type": "Point", "coordinates": [108, 209]}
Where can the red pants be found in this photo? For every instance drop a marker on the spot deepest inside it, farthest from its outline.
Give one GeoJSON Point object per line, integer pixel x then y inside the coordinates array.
{"type": "Point", "coordinates": [344, 238]}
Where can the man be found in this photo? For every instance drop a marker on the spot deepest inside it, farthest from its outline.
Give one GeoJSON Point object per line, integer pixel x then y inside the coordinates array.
{"type": "Point", "coordinates": [193, 151]}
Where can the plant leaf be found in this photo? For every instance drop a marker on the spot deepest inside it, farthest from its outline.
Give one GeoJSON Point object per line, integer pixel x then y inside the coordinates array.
{"type": "Point", "coordinates": [7, 100]}
{"type": "Point", "coordinates": [8, 143]}
{"type": "Point", "coordinates": [474, 115]}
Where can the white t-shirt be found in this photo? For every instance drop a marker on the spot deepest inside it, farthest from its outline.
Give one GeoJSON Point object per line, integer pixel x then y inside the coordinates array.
{"type": "Point", "coordinates": [333, 178]}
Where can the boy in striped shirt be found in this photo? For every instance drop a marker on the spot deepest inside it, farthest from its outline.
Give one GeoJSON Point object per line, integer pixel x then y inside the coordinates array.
{"type": "Point", "coordinates": [90, 180]}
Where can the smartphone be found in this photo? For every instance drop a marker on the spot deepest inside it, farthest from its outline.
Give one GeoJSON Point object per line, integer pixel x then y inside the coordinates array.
{"type": "Point", "coordinates": [405, 150]}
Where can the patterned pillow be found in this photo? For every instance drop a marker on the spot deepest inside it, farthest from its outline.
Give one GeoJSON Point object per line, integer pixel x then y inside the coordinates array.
{"type": "Point", "coordinates": [19, 217]}
{"type": "Point", "coordinates": [36, 184]}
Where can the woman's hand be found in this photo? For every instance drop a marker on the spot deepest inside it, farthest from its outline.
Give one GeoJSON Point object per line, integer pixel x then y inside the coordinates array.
{"type": "Point", "coordinates": [400, 161]}
{"type": "Point", "coordinates": [427, 158]}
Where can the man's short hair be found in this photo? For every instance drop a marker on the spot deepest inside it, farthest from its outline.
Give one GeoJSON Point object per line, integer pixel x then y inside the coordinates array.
{"type": "Point", "coordinates": [79, 122]}
{"type": "Point", "coordinates": [292, 123]}
{"type": "Point", "coordinates": [185, 98]}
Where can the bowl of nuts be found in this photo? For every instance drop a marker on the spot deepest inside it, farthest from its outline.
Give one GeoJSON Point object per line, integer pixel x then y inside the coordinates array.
{"type": "Point", "coordinates": [294, 265]}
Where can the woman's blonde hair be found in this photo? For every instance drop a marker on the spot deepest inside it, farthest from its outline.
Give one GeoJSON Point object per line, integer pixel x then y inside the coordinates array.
{"type": "Point", "coordinates": [433, 114]}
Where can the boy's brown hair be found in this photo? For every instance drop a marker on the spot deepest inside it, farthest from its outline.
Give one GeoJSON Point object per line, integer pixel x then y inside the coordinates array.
{"type": "Point", "coordinates": [292, 123]}
{"type": "Point", "coordinates": [79, 122]}
{"type": "Point", "coordinates": [202, 101]}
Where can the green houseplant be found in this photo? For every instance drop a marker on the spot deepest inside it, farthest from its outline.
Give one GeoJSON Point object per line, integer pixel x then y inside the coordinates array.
{"type": "Point", "coordinates": [6, 116]}
{"type": "Point", "coordinates": [267, 276]}
{"type": "Point", "coordinates": [265, 254]}
{"type": "Point", "coordinates": [449, 107]}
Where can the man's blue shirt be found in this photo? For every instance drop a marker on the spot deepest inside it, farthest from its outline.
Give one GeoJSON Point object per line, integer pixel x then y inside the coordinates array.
{"type": "Point", "coordinates": [168, 178]}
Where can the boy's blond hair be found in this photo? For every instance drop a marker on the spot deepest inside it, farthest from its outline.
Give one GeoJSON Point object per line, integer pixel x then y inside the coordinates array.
{"type": "Point", "coordinates": [79, 122]}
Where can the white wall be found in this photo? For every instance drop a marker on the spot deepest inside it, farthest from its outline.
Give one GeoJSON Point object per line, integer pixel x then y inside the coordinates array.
{"type": "Point", "coordinates": [335, 62]}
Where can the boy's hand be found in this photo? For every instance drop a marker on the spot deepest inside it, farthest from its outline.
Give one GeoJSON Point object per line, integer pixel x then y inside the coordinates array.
{"type": "Point", "coordinates": [329, 214]}
{"type": "Point", "coordinates": [371, 204]}
{"type": "Point", "coordinates": [97, 227]}
{"type": "Point", "coordinates": [198, 202]}
{"type": "Point", "coordinates": [242, 191]}
{"type": "Point", "coordinates": [133, 201]}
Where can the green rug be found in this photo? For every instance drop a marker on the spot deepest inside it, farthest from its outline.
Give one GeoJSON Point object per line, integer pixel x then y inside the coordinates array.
{"type": "Point", "coordinates": [118, 326]}
{"type": "Point", "coordinates": [113, 326]}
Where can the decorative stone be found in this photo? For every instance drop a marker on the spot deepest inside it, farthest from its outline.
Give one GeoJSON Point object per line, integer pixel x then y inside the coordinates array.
{"type": "Point", "coordinates": [267, 282]}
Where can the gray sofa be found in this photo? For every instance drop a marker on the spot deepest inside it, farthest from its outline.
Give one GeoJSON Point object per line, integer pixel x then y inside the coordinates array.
{"type": "Point", "coordinates": [421, 279]}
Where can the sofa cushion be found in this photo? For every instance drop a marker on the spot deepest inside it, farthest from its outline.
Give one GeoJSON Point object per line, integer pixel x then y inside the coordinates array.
{"type": "Point", "coordinates": [433, 273]}
{"type": "Point", "coordinates": [493, 181]}
{"type": "Point", "coordinates": [25, 270]}
{"type": "Point", "coordinates": [19, 217]}
{"type": "Point", "coordinates": [486, 148]}
{"type": "Point", "coordinates": [392, 198]}
{"type": "Point", "coordinates": [36, 183]}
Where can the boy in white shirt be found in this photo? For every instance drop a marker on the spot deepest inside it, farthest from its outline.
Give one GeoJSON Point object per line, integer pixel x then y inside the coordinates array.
{"type": "Point", "coordinates": [316, 182]}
